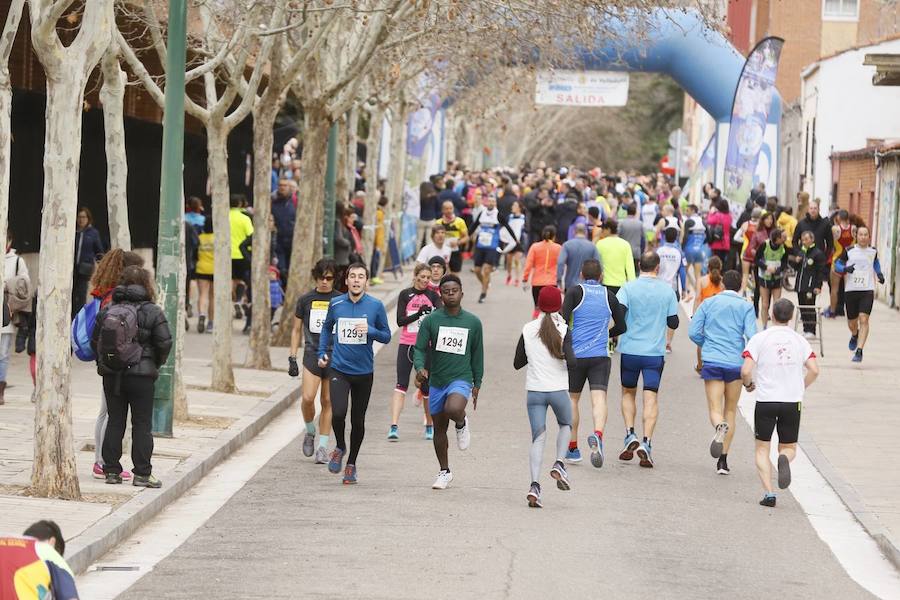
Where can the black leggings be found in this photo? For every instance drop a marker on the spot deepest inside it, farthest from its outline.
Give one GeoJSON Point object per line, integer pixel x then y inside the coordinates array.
{"type": "Point", "coordinates": [343, 388]}
{"type": "Point", "coordinates": [121, 393]}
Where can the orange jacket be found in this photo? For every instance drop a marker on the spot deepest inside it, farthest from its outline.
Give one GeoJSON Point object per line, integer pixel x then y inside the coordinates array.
{"type": "Point", "coordinates": [542, 258]}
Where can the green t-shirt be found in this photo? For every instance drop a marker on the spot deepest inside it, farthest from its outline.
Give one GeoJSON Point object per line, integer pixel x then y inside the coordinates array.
{"type": "Point", "coordinates": [456, 347]}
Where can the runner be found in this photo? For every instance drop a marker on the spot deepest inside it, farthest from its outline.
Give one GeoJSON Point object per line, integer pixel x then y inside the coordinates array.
{"type": "Point", "coordinates": [860, 261]}
{"type": "Point", "coordinates": [843, 232]}
{"type": "Point", "coordinates": [309, 315]}
{"type": "Point", "coordinates": [438, 268]}
{"type": "Point", "coordinates": [542, 259]}
{"type": "Point", "coordinates": [438, 246]}
{"type": "Point", "coordinates": [672, 270]}
{"type": "Point", "coordinates": [514, 234]}
{"type": "Point", "coordinates": [696, 249]}
{"type": "Point", "coordinates": [354, 320]}
{"type": "Point", "coordinates": [594, 315]}
{"type": "Point", "coordinates": [771, 262]}
{"type": "Point", "coordinates": [615, 256]}
{"type": "Point", "coordinates": [457, 234]}
{"type": "Point", "coordinates": [452, 337]}
{"type": "Point", "coordinates": [546, 348]}
{"type": "Point", "coordinates": [575, 251]}
{"type": "Point", "coordinates": [650, 307]}
{"type": "Point", "coordinates": [412, 305]}
{"type": "Point", "coordinates": [774, 361]}
{"type": "Point", "coordinates": [721, 328]}
{"type": "Point", "coordinates": [486, 229]}
{"type": "Point", "coordinates": [745, 234]}
{"type": "Point", "coordinates": [710, 285]}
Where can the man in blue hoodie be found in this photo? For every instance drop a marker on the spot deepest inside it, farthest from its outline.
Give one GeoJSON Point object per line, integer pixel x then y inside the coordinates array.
{"type": "Point", "coordinates": [354, 321]}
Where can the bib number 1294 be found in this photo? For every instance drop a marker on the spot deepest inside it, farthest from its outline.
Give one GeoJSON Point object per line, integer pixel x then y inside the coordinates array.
{"type": "Point", "coordinates": [452, 340]}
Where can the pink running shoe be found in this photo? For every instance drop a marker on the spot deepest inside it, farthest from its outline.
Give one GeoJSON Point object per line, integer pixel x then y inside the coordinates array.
{"type": "Point", "coordinates": [99, 474]}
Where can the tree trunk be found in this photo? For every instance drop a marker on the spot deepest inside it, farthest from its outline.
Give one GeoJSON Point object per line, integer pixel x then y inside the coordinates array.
{"type": "Point", "coordinates": [396, 182]}
{"type": "Point", "coordinates": [112, 97]}
{"type": "Point", "coordinates": [307, 243]}
{"type": "Point", "coordinates": [261, 330]}
{"type": "Point", "coordinates": [216, 144]}
{"type": "Point", "coordinates": [373, 150]}
{"type": "Point", "coordinates": [352, 139]}
{"type": "Point", "coordinates": [342, 186]}
{"type": "Point", "coordinates": [54, 471]}
{"type": "Point", "coordinates": [10, 29]}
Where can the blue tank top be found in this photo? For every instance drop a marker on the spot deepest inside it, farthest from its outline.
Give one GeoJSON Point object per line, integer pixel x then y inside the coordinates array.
{"type": "Point", "coordinates": [590, 322]}
{"type": "Point", "coordinates": [488, 237]}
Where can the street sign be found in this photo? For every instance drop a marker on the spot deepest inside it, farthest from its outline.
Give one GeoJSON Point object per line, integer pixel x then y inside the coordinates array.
{"type": "Point", "coordinates": [581, 88]}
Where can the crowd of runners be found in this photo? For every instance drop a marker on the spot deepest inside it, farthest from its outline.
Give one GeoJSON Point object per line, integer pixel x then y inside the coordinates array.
{"type": "Point", "coordinates": [610, 260]}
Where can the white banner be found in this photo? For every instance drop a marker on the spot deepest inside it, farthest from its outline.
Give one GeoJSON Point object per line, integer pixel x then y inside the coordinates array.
{"type": "Point", "coordinates": [581, 88]}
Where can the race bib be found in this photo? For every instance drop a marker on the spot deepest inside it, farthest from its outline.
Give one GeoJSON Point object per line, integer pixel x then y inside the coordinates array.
{"type": "Point", "coordinates": [861, 277]}
{"type": "Point", "coordinates": [485, 238]}
{"type": "Point", "coordinates": [414, 326]}
{"type": "Point", "coordinates": [452, 340]}
{"type": "Point", "coordinates": [773, 264]}
{"type": "Point", "coordinates": [317, 314]}
{"type": "Point", "coordinates": [347, 333]}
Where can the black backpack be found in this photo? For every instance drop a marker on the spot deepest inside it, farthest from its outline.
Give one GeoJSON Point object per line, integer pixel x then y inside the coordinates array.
{"type": "Point", "coordinates": [118, 347]}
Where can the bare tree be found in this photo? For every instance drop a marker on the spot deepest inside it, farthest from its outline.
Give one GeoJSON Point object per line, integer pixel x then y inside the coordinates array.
{"type": "Point", "coordinates": [67, 69]}
{"type": "Point", "coordinates": [112, 97]}
{"type": "Point", "coordinates": [10, 28]}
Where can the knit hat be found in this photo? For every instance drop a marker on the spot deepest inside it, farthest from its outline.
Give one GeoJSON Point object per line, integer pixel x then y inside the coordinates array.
{"type": "Point", "coordinates": [437, 260]}
{"type": "Point", "coordinates": [550, 299]}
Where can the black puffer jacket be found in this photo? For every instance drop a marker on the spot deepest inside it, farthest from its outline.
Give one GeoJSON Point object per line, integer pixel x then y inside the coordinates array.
{"type": "Point", "coordinates": [153, 333]}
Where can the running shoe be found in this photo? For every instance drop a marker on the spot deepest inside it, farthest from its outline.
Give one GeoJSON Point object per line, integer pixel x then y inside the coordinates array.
{"type": "Point", "coordinates": [146, 481]}
{"type": "Point", "coordinates": [559, 473]}
{"type": "Point", "coordinates": [99, 474]}
{"type": "Point", "coordinates": [481, 298]}
{"type": "Point", "coordinates": [201, 324]}
{"type": "Point", "coordinates": [809, 335]}
{"type": "Point", "coordinates": [349, 474]}
{"type": "Point", "coordinates": [336, 460]}
{"type": "Point", "coordinates": [768, 500]}
{"type": "Point", "coordinates": [854, 341]}
{"type": "Point", "coordinates": [722, 466]}
{"type": "Point", "coordinates": [631, 444]}
{"type": "Point", "coordinates": [643, 453]}
{"type": "Point", "coordinates": [238, 311]}
{"type": "Point", "coordinates": [463, 436]}
{"type": "Point", "coordinates": [784, 471]}
{"type": "Point", "coordinates": [113, 478]}
{"type": "Point", "coordinates": [534, 496]}
{"type": "Point", "coordinates": [189, 310]}
{"type": "Point", "coordinates": [596, 444]}
{"type": "Point", "coordinates": [828, 314]}
{"type": "Point", "coordinates": [509, 280]}
{"type": "Point", "coordinates": [209, 326]}
{"type": "Point", "coordinates": [429, 432]}
{"type": "Point", "coordinates": [573, 455]}
{"type": "Point", "coordinates": [442, 482]}
{"type": "Point", "coordinates": [309, 444]}
{"type": "Point", "coordinates": [393, 434]}
{"type": "Point", "coordinates": [857, 356]}
{"type": "Point", "coordinates": [516, 284]}
{"type": "Point", "coordinates": [321, 456]}
{"type": "Point", "coordinates": [717, 444]}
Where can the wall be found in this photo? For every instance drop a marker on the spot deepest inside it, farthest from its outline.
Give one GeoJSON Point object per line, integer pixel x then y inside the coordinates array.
{"type": "Point", "coordinates": [856, 184]}
{"type": "Point", "coordinates": [791, 156]}
{"type": "Point", "coordinates": [887, 232]}
{"type": "Point", "coordinates": [848, 110]}
{"type": "Point", "coordinates": [799, 23]}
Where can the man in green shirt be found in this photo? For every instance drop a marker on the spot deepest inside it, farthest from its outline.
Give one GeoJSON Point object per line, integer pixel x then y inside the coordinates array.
{"type": "Point", "coordinates": [454, 340]}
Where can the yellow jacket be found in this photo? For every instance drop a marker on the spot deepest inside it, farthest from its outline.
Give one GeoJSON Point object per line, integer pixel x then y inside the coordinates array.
{"type": "Point", "coordinates": [379, 229]}
{"type": "Point", "coordinates": [787, 223]}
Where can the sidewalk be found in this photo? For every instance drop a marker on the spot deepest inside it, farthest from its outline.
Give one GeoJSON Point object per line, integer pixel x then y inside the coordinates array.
{"type": "Point", "coordinates": [218, 425]}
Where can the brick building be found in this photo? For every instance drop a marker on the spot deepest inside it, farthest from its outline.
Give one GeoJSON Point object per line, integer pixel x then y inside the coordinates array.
{"type": "Point", "coordinates": [854, 182]}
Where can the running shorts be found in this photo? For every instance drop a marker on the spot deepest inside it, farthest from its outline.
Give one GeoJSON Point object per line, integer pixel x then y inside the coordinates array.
{"type": "Point", "coordinates": [649, 368]}
{"type": "Point", "coordinates": [437, 396]}
{"type": "Point", "coordinates": [594, 370]}
{"type": "Point", "coordinates": [714, 372]}
{"type": "Point", "coordinates": [486, 255]}
{"type": "Point", "coordinates": [783, 416]}
{"type": "Point", "coordinates": [455, 263]}
{"type": "Point", "coordinates": [239, 268]}
{"type": "Point", "coordinates": [311, 364]}
{"type": "Point", "coordinates": [770, 284]}
{"type": "Point", "coordinates": [405, 369]}
{"type": "Point", "coordinates": [859, 302]}
{"type": "Point", "coordinates": [614, 288]}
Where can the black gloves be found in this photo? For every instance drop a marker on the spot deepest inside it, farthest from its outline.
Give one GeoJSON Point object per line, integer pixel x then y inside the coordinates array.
{"type": "Point", "coordinates": [293, 369]}
{"type": "Point", "coordinates": [849, 268]}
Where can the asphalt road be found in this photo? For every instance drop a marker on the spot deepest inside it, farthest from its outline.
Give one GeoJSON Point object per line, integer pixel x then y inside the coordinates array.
{"type": "Point", "coordinates": [676, 531]}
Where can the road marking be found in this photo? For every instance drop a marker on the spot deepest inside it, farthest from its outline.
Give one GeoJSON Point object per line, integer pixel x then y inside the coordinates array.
{"type": "Point", "coordinates": [857, 552]}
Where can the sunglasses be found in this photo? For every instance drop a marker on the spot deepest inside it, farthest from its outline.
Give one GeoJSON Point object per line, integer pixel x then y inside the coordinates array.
{"type": "Point", "coordinates": [327, 277]}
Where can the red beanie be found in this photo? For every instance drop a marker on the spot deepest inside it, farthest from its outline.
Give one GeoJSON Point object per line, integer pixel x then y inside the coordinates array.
{"type": "Point", "coordinates": [550, 299]}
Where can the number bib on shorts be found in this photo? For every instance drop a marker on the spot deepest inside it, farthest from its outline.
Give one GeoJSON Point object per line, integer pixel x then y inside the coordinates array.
{"type": "Point", "coordinates": [318, 311]}
{"type": "Point", "coordinates": [452, 340]}
{"type": "Point", "coordinates": [347, 333]}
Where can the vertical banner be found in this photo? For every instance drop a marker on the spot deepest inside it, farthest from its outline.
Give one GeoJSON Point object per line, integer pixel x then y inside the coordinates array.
{"type": "Point", "coordinates": [704, 171]}
{"type": "Point", "coordinates": [749, 118]}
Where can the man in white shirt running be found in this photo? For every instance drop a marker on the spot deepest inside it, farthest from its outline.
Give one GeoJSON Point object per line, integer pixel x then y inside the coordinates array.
{"type": "Point", "coordinates": [439, 246]}
{"type": "Point", "coordinates": [774, 363]}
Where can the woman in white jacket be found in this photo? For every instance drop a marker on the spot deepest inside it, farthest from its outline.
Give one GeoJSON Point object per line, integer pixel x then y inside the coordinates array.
{"type": "Point", "coordinates": [546, 348]}
{"type": "Point", "coordinates": [13, 268]}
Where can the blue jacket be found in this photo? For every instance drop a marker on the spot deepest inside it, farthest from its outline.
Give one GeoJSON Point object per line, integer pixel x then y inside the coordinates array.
{"type": "Point", "coordinates": [350, 358]}
{"type": "Point", "coordinates": [91, 245]}
{"type": "Point", "coordinates": [284, 213]}
{"type": "Point", "coordinates": [721, 327]}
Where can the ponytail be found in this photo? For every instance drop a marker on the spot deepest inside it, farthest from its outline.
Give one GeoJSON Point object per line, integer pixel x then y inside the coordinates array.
{"type": "Point", "coordinates": [550, 336]}
{"type": "Point", "coordinates": [715, 270]}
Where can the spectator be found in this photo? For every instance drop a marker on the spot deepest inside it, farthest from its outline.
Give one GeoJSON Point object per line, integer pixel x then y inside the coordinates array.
{"type": "Point", "coordinates": [13, 268]}
{"type": "Point", "coordinates": [820, 227]}
{"type": "Point", "coordinates": [132, 387]}
{"type": "Point", "coordinates": [379, 245]}
{"type": "Point", "coordinates": [32, 566]}
{"type": "Point", "coordinates": [276, 292]}
{"type": "Point", "coordinates": [284, 211]}
{"type": "Point", "coordinates": [88, 249]}
{"type": "Point", "coordinates": [428, 210]}
{"type": "Point", "coordinates": [342, 241]}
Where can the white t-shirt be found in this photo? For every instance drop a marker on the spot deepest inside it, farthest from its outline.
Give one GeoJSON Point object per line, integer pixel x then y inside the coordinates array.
{"type": "Point", "coordinates": [862, 279]}
{"type": "Point", "coordinates": [648, 215]}
{"type": "Point", "coordinates": [545, 373]}
{"type": "Point", "coordinates": [429, 251]}
{"type": "Point", "coordinates": [779, 353]}
{"type": "Point", "coordinates": [670, 261]}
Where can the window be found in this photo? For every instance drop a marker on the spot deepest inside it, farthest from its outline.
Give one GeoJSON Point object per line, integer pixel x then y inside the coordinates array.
{"type": "Point", "coordinates": [840, 10]}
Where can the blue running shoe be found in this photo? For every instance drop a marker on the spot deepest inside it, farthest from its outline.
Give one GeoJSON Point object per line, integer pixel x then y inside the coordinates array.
{"type": "Point", "coordinates": [336, 461]}
{"type": "Point", "coordinates": [393, 434]}
{"type": "Point", "coordinates": [596, 444]}
{"type": "Point", "coordinates": [854, 340]}
{"type": "Point", "coordinates": [631, 444]}
{"type": "Point", "coordinates": [350, 475]}
{"type": "Point", "coordinates": [573, 455]}
{"type": "Point", "coordinates": [429, 432]}
{"type": "Point", "coordinates": [643, 453]}
{"type": "Point", "coordinates": [857, 356]}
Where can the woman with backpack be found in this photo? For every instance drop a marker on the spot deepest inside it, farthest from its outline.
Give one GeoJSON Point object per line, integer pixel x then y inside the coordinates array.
{"type": "Point", "coordinates": [131, 340]}
{"type": "Point", "coordinates": [106, 277]}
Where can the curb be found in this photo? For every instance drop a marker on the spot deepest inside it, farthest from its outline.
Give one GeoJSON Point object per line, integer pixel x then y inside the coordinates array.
{"type": "Point", "coordinates": [856, 506]}
{"type": "Point", "coordinates": [86, 548]}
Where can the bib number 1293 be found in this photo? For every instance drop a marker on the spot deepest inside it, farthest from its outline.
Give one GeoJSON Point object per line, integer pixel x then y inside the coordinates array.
{"type": "Point", "coordinates": [452, 340]}
{"type": "Point", "coordinates": [347, 333]}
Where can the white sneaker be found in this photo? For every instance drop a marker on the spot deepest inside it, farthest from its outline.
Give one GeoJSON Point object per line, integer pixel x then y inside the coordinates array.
{"type": "Point", "coordinates": [463, 436]}
{"type": "Point", "coordinates": [809, 335]}
{"type": "Point", "coordinates": [443, 480]}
